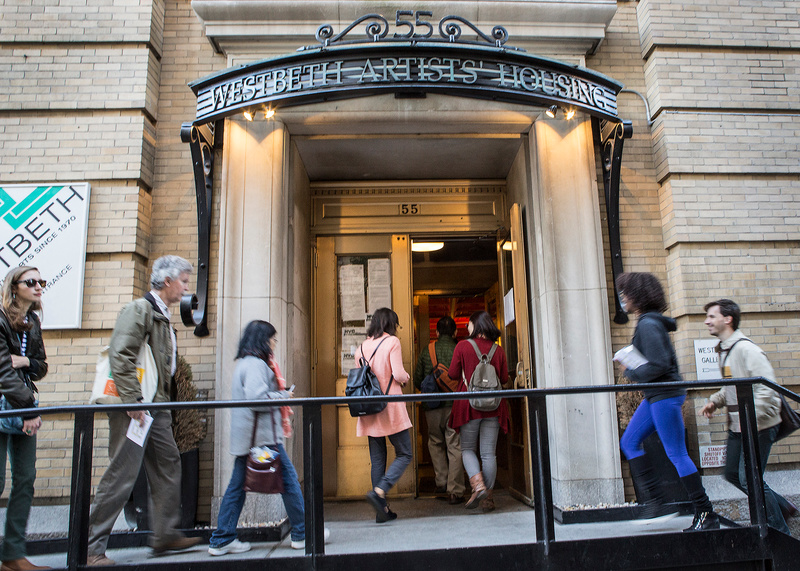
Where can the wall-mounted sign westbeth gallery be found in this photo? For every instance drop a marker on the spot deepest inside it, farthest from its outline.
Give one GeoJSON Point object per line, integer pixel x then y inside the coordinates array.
{"type": "Point", "coordinates": [44, 225]}
{"type": "Point", "coordinates": [413, 65]}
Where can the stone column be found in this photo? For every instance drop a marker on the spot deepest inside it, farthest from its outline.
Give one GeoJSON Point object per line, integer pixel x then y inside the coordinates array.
{"type": "Point", "coordinates": [573, 345]}
{"type": "Point", "coordinates": [253, 271]}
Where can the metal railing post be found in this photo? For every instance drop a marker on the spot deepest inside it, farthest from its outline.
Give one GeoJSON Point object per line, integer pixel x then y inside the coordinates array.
{"type": "Point", "coordinates": [752, 458]}
{"type": "Point", "coordinates": [82, 444]}
{"type": "Point", "coordinates": [312, 470]}
{"type": "Point", "coordinates": [542, 487]}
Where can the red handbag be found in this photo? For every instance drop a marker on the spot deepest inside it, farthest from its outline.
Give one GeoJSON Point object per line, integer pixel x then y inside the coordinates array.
{"type": "Point", "coordinates": [262, 476]}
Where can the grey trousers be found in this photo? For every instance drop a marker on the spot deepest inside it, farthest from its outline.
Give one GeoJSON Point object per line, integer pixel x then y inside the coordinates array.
{"type": "Point", "coordinates": [162, 463]}
{"type": "Point", "coordinates": [444, 444]}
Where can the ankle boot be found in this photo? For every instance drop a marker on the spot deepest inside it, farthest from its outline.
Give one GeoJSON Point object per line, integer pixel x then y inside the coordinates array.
{"type": "Point", "coordinates": [649, 492]}
{"type": "Point", "coordinates": [704, 516]}
{"type": "Point", "coordinates": [487, 503]}
{"type": "Point", "coordinates": [21, 564]}
{"type": "Point", "coordinates": [478, 491]}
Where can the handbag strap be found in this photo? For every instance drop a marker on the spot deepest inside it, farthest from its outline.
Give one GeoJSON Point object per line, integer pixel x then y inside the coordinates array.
{"type": "Point", "coordinates": [255, 425]}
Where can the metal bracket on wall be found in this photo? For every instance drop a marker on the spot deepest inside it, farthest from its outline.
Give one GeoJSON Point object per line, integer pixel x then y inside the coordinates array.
{"type": "Point", "coordinates": [612, 136]}
{"type": "Point", "coordinates": [201, 142]}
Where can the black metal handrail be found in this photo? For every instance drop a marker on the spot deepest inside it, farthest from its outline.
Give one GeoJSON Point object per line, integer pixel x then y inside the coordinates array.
{"type": "Point", "coordinates": [312, 448]}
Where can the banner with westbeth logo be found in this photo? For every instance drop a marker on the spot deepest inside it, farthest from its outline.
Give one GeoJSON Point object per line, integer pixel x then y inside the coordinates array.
{"type": "Point", "coordinates": [45, 225]}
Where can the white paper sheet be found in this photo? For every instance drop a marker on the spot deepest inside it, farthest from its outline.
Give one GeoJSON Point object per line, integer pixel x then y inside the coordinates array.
{"type": "Point", "coordinates": [136, 432]}
{"type": "Point", "coordinates": [630, 357]}
{"type": "Point", "coordinates": [351, 292]}
{"type": "Point", "coordinates": [351, 339]}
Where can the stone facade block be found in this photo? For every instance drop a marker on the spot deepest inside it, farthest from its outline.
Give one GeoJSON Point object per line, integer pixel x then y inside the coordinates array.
{"type": "Point", "coordinates": [726, 143]}
{"type": "Point", "coordinates": [727, 23]}
{"type": "Point", "coordinates": [62, 21]}
{"type": "Point", "coordinates": [113, 145]}
{"type": "Point", "coordinates": [709, 208]}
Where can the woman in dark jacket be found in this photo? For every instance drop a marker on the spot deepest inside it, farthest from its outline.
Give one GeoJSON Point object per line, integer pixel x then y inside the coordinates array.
{"type": "Point", "coordinates": [660, 411]}
{"type": "Point", "coordinates": [22, 361]}
{"type": "Point", "coordinates": [479, 429]}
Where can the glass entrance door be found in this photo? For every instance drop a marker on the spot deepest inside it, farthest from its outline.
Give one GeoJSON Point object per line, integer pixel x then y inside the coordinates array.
{"type": "Point", "coordinates": [355, 275]}
{"type": "Point", "coordinates": [517, 340]}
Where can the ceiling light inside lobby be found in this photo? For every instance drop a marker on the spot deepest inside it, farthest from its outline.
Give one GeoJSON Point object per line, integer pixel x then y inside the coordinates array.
{"type": "Point", "coordinates": [426, 246]}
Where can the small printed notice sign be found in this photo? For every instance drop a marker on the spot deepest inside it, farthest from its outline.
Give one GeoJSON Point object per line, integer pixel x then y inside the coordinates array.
{"type": "Point", "coordinates": [706, 359]}
{"type": "Point", "coordinates": [712, 456]}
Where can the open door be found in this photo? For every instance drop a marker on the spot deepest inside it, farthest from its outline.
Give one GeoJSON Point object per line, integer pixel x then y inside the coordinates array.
{"type": "Point", "coordinates": [516, 338]}
{"type": "Point", "coordinates": [355, 275]}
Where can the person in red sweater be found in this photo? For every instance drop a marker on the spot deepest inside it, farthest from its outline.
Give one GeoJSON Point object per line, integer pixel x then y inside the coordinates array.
{"type": "Point", "coordinates": [479, 428]}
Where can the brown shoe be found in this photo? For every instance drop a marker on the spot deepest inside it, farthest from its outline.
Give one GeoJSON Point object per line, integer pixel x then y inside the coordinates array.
{"type": "Point", "coordinates": [180, 544]}
{"type": "Point", "coordinates": [478, 491]}
{"type": "Point", "coordinates": [20, 565]}
{"type": "Point", "coordinates": [455, 500]}
{"type": "Point", "coordinates": [99, 561]}
{"type": "Point", "coordinates": [487, 503]}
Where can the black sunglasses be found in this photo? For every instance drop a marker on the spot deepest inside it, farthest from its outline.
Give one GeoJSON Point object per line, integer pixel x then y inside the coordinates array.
{"type": "Point", "coordinates": [32, 282]}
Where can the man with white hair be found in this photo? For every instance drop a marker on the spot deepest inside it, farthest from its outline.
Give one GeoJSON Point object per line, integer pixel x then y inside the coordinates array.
{"type": "Point", "coordinates": [143, 320]}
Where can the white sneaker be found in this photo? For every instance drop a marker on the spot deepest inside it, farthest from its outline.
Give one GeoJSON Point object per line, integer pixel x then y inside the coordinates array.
{"type": "Point", "coordinates": [234, 546]}
{"type": "Point", "coordinates": [302, 543]}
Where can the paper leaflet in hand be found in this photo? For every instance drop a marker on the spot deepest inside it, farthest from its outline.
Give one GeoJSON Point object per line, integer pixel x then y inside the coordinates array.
{"type": "Point", "coordinates": [630, 357]}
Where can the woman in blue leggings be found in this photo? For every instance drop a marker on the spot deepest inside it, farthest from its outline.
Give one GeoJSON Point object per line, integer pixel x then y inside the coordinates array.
{"type": "Point", "coordinates": [660, 411]}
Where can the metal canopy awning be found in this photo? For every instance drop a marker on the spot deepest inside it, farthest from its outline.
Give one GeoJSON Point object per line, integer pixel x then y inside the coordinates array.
{"type": "Point", "coordinates": [410, 64]}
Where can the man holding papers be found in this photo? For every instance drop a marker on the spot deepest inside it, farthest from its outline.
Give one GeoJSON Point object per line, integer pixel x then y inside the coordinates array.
{"type": "Point", "coordinates": [145, 320]}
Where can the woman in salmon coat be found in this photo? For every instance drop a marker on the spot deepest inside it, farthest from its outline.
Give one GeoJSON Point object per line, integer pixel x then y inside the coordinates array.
{"type": "Point", "coordinates": [393, 421]}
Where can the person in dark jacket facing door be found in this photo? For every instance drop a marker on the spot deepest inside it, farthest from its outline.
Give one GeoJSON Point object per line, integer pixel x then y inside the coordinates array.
{"type": "Point", "coordinates": [22, 361]}
{"type": "Point", "coordinates": [660, 411]}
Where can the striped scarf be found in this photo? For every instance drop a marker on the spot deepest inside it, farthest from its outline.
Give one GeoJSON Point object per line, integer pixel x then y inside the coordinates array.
{"type": "Point", "coordinates": [286, 411]}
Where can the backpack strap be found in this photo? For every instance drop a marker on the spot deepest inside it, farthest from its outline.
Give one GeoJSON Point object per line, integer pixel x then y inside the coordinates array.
{"type": "Point", "coordinates": [432, 353]}
{"type": "Point", "coordinates": [478, 351]}
{"type": "Point", "coordinates": [361, 348]}
{"type": "Point", "coordinates": [729, 349]}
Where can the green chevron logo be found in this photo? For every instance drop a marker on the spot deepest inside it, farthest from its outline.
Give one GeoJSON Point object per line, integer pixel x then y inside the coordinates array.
{"type": "Point", "coordinates": [18, 213]}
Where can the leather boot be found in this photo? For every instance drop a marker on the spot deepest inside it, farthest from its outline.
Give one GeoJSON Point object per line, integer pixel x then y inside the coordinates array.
{"type": "Point", "coordinates": [649, 492]}
{"type": "Point", "coordinates": [21, 565]}
{"type": "Point", "coordinates": [487, 503]}
{"type": "Point", "coordinates": [704, 516]}
{"type": "Point", "coordinates": [478, 491]}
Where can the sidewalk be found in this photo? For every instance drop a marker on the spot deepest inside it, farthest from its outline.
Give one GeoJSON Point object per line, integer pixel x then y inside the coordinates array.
{"type": "Point", "coordinates": [353, 529]}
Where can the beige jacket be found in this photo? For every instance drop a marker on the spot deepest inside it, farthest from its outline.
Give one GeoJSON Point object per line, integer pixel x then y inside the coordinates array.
{"type": "Point", "coordinates": [747, 360]}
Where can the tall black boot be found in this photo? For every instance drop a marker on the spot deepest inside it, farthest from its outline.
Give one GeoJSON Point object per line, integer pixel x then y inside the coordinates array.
{"type": "Point", "coordinates": [704, 516]}
{"type": "Point", "coordinates": [649, 492]}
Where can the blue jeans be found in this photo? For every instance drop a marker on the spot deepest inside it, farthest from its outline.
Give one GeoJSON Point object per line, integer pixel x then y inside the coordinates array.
{"type": "Point", "coordinates": [736, 475]}
{"type": "Point", "coordinates": [486, 431]}
{"type": "Point", "coordinates": [665, 417]}
{"type": "Point", "coordinates": [380, 476]}
{"type": "Point", "coordinates": [232, 502]}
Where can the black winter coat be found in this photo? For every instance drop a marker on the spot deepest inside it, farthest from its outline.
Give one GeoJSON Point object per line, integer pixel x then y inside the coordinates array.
{"type": "Point", "coordinates": [13, 384]}
{"type": "Point", "coordinates": [652, 340]}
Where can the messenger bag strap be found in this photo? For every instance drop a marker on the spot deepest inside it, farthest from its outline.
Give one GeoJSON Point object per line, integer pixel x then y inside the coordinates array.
{"type": "Point", "coordinates": [432, 353]}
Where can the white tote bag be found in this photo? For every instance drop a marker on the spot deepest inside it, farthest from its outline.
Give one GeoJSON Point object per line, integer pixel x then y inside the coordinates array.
{"type": "Point", "coordinates": [104, 390]}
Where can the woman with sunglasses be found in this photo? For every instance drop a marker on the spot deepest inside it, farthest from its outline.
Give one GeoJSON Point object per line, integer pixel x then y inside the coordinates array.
{"type": "Point", "coordinates": [22, 361]}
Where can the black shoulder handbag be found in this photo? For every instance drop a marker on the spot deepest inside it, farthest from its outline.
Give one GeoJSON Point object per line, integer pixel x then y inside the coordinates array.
{"type": "Point", "coordinates": [362, 382]}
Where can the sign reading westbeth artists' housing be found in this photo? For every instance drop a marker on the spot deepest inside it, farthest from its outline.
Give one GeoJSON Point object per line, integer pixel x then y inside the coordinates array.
{"type": "Point", "coordinates": [45, 226]}
{"type": "Point", "coordinates": [456, 69]}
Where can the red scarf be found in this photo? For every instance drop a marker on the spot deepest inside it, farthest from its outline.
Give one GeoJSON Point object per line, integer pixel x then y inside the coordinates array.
{"type": "Point", "coordinates": [286, 411]}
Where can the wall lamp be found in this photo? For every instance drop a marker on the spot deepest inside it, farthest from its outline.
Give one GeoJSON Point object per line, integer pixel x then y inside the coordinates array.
{"type": "Point", "coordinates": [248, 115]}
{"type": "Point", "coordinates": [552, 111]}
{"type": "Point", "coordinates": [268, 112]}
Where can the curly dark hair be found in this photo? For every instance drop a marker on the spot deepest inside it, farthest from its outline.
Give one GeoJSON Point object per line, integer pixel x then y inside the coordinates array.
{"type": "Point", "coordinates": [643, 290]}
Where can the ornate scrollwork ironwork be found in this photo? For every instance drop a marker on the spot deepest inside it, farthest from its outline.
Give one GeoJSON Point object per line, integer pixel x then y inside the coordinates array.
{"type": "Point", "coordinates": [376, 30]}
{"type": "Point", "coordinates": [201, 142]}
{"type": "Point", "coordinates": [612, 137]}
{"type": "Point", "coordinates": [450, 30]}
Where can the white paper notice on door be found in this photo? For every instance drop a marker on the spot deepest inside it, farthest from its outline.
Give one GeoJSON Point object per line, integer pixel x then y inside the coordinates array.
{"type": "Point", "coordinates": [379, 292]}
{"type": "Point", "coordinates": [351, 340]}
{"type": "Point", "coordinates": [351, 292]}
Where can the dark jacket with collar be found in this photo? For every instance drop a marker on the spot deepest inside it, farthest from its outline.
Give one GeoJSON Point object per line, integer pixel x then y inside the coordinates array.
{"type": "Point", "coordinates": [136, 321]}
{"type": "Point", "coordinates": [651, 339]}
{"type": "Point", "coordinates": [12, 381]}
